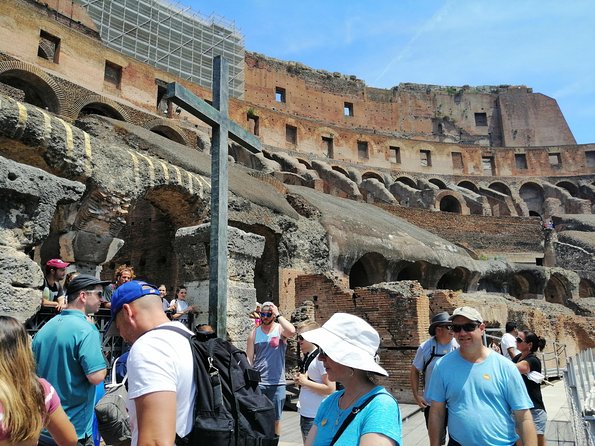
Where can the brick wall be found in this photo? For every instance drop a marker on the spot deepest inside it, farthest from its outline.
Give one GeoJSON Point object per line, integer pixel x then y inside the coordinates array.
{"type": "Point", "coordinates": [398, 311]}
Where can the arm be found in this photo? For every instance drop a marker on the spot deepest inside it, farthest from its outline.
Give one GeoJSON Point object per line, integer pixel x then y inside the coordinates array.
{"type": "Point", "coordinates": [511, 351]}
{"type": "Point", "coordinates": [61, 303]}
{"type": "Point", "coordinates": [525, 426]}
{"type": "Point", "coordinates": [523, 367]}
{"type": "Point", "coordinates": [325, 388]}
{"type": "Point", "coordinates": [374, 439]}
{"type": "Point", "coordinates": [250, 347]}
{"type": "Point", "coordinates": [156, 418]}
{"type": "Point", "coordinates": [287, 328]}
{"type": "Point", "coordinates": [414, 381]}
{"type": "Point", "coordinates": [96, 377]}
{"type": "Point", "coordinates": [311, 436]}
{"type": "Point", "coordinates": [436, 422]}
{"type": "Point", "coordinates": [61, 429]}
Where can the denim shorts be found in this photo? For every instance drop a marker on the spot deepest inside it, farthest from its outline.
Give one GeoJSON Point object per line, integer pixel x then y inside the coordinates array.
{"type": "Point", "coordinates": [305, 426]}
{"type": "Point", "coordinates": [277, 395]}
{"type": "Point", "coordinates": [539, 419]}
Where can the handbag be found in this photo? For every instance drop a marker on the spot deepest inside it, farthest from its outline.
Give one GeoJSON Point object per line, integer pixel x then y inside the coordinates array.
{"type": "Point", "coordinates": [111, 412]}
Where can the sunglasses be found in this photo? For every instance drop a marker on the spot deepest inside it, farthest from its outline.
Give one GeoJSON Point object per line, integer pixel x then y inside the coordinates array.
{"type": "Point", "coordinates": [266, 314]}
{"type": "Point", "coordinates": [98, 292]}
{"type": "Point", "coordinates": [519, 340]}
{"type": "Point", "coordinates": [472, 326]}
{"type": "Point", "coordinates": [446, 327]}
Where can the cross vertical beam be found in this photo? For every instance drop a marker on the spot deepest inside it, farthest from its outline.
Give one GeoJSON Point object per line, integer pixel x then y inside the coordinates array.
{"type": "Point", "coordinates": [219, 201]}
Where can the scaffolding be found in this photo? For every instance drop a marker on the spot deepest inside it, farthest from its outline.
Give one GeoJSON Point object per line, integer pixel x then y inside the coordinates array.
{"type": "Point", "coordinates": [171, 37]}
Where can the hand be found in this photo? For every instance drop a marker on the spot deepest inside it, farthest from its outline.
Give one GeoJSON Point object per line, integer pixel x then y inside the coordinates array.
{"type": "Point", "coordinates": [60, 307]}
{"type": "Point", "coordinates": [300, 378]}
{"type": "Point", "coordinates": [421, 402]}
{"type": "Point", "coordinates": [274, 310]}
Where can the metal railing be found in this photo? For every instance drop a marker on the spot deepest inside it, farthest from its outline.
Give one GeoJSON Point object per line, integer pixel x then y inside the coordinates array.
{"type": "Point", "coordinates": [579, 377]}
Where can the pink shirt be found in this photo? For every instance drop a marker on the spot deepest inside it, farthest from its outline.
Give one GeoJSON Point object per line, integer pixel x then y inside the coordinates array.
{"type": "Point", "coordinates": [52, 402]}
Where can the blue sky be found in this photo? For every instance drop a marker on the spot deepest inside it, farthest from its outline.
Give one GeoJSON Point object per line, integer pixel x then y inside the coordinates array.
{"type": "Point", "coordinates": [548, 45]}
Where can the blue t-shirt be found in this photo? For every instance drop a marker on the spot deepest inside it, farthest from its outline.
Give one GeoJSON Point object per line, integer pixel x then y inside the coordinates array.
{"type": "Point", "coordinates": [381, 416]}
{"type": "Point", "coordinates": [480, 398]}
{"type": "Point", "coordinates": [67, 348]}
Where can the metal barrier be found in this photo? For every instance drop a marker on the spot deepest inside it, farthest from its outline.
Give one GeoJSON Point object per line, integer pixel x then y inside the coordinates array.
{"type": "Point", "coordinates": [579, 377]}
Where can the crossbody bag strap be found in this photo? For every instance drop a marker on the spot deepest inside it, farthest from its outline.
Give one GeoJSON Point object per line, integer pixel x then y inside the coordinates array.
{"type": "Point", "coordinates": [350, 418]}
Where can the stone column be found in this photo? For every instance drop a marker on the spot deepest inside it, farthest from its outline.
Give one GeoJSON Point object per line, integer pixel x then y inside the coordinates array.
{"type": "Point", "coordinates": [244, 249]}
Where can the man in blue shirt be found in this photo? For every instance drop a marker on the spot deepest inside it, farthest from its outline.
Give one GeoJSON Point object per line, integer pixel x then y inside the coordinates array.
{"type": "Point", "coordinates": [485, 396]}
{"type": "Point", "coordinates": [68, 354]}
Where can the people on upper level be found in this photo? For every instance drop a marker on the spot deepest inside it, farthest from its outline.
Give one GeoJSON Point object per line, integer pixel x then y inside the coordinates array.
{"type": "Point", "coordinates": [123, 274]}
{"type": "Point", "coordinates": [508, 341]}
{"type": "Point", "coordinates": [53, 292]}
{"type": "Point", "coordinates": [179, 308]}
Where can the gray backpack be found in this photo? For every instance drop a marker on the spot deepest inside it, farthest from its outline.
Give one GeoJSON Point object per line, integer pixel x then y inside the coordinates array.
{"type": "Point", "coordinates": [112, 415]}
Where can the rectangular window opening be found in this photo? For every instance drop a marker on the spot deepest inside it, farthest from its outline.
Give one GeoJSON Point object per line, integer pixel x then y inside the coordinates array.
{"type": "Point", "coordinates": [555, 160]}
{"type": "Point", "coordinates": [291, 134]}
{"type": "Point", "coordinates": [113, 74]}
{"type": "Point", "coordinates": [394, 154]}
{"type": "Point", "coordinates": [457, 160]}
{"type": "Point", "coordinates": [590, 156]}
{"type": "Point", "coordinates": [49, 46]}
{"type": "Point", "coordinates": [348, 109]}
{"type": "Point", "coordinates": [425, 158]}
{"type": "Point", "coordinates": [253, 124]}
{"type": "Point", "coordinates": [280, 94]}
{"type": "Point", "coordinates": [487, 163]}
{"type": "Point", "coordinates": [481, 119]}
{"type": "Point", "coordinates": [327, 147]}
{"type": "Point", "coordinates": [520, 160]}
{"type": "Point", "coordinates": [362, 150]}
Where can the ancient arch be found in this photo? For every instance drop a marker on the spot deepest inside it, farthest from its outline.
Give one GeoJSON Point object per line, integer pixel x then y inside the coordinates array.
{"type": "Point", "coordinates": [469, 185]}
{"type": "Point", "coordinates": [439, 183]}
{"type": "Point", "coordinates": [449, 203]}
{"type": "Point", "coordinates": [455, 279]}
{"type": "Point", "coordinates": [305, 163]}
{"type": "Point", "coordinates": [569, 186]}
{"type": "Point", "coordinates": [407, 181]}
{"type": "Point", "coordinates": [533, 195]}
{"type": "Point", "coordinates": [491, 285]}
{"type": "Point", "coordinates": [498, 186]}
{"type": "Point", "coordinates": [524, 285]}
{"type": "Point", "coordinates": [169, 133]}
{"type": "Point", "coordinates": [586, 288]}
{"type": "Point", "coordinates": [340, 170]}
{"type": "Point", "coordinates": [557, 289]}
{"type": "Point", "coordinates": [414, 271]}
{"type": "Point", "coordinates": [99, 105]}
{"type": "Point", "coordinates": [266, 270]}
{"type": "Point", "coordinates": [374, 175]}
{"type": "Point", "coordinates": [38, 88]}
{"type": "Point", "coordinates": [368, 270]}
{"type": "Point", "coordinates": [101, 109]}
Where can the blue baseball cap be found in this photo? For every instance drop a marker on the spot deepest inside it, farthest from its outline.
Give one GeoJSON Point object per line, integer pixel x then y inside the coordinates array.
{"type": "Point", "coordinates": [129, 292]}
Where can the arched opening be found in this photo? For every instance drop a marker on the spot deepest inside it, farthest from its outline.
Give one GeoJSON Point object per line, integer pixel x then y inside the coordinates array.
{"type": "Point", "coordinates": [586, 288]}
{"type": "Point", "coordinates": [448, 203]}
{"type": "Point", "coordinates": [469, 185]}
{"type": "Point", "coordinates": [455, 279]}
{"type": "Point", "coordinates": [556, 290]}
{"type": "Point", "coordinates": [570, 187]}
{"type": "Point", "coordinates": [413, 271]}
{"type": "Point", "coordinates": [169, 133]}
{"type": "Point", "coordinates": [532, 195]}
{"type": "Point", "coordinates": [523, 285]}
{"type": "Point", "coordinates": [35, 90]}
{"type": "Point", "coordinates": [500, 187]}
{"type": "Point", "coordinates": [491, 285]}
{"type": "Point", "coordinates": [407, 181]}
{"type": "Point", "coordinates": [266, 270]}
{"type": "Point", "coordinates": [368, 270]}
{"type": "Point", "coordinates": [374, 175]}
{"type": "Point", "coordinates": [305, 163]}
{"type": "Point", "coordinates": [439, 183]}
{"type": "Point", "coordinates": [97, 108]}
{"type": "Point", "coordinates": [340, 170]}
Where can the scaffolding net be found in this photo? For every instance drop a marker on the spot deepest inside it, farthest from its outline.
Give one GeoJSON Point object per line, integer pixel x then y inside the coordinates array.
{"type": "Point", "coordinates": [171, 37]}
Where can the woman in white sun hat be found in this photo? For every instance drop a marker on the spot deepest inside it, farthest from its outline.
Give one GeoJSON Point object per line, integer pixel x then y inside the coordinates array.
{"type": "Point", "coordinates": [363, 413]}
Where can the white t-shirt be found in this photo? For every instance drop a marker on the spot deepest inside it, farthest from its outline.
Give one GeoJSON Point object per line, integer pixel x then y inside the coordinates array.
{"type": "Point", "coordinates": [181, 306]}
{"type": "Point", "coordinates": [161, 360]}
{"type": "Point", "coordinates": [506, 342]}
{"type": "Point", "coordinates": [309, 400]}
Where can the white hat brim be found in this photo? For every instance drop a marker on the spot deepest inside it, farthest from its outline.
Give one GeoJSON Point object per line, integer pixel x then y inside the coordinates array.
{"type": "Point", "coordinates": [343, 352]}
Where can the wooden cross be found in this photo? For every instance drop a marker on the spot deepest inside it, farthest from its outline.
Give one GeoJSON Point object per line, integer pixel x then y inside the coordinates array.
{"type": "Point", "coordinates": [217, 117]}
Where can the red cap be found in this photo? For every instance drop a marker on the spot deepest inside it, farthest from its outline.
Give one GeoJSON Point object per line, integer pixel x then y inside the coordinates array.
{"type": "Point", "coordinates": [56, 263]}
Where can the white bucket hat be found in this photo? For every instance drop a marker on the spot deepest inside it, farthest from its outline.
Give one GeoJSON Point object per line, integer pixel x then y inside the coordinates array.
{"type": "Point", "coordinates": [349, 341]}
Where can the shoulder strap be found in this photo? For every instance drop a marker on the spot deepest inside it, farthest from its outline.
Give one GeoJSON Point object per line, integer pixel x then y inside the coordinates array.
{"type": "Point", "coordinates": [427, 363]}
{"type": "Point", "coordinates": [308, 360]}
{"type": "Point", "coordinates": [350, 418]}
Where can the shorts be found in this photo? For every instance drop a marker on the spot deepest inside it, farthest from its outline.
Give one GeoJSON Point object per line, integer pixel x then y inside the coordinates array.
{"type": "Point", "coordinates": [305, 426]}
{"type": "Point", "coordinates": [539, 419]}
{"type": "Point", "coordinates": [277, 396]}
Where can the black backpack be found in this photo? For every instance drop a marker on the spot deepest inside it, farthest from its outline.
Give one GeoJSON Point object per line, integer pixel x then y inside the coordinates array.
{"type": "Point", "coordinates": [230, 409]}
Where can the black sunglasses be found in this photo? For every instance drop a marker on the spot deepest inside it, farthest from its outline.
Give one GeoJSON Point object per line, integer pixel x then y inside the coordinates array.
{"type": "Point", "coordinates": [472, 326]}
{"type": "Point", "coordinates": [266, 314]}
{"type": "Point", "coordinates": [519, 340]}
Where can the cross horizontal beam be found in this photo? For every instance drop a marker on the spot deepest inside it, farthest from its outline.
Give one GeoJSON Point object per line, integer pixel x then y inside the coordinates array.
{"type": "Point", "coordinates": [184, 98]}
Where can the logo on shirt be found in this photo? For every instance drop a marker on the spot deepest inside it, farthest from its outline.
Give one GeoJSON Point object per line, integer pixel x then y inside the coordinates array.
{"type": "Point", "coordinates": [486, 377]}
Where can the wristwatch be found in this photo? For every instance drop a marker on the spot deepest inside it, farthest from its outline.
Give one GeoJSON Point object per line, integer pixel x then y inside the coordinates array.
{"type": "Point", "coordinates": [277, 317]}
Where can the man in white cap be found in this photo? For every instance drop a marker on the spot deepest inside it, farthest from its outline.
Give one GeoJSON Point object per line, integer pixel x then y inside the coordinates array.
{"type": "Point", "coordinates": [481, 391]}
{"type": "Point", "coordinates": [428, 353]}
